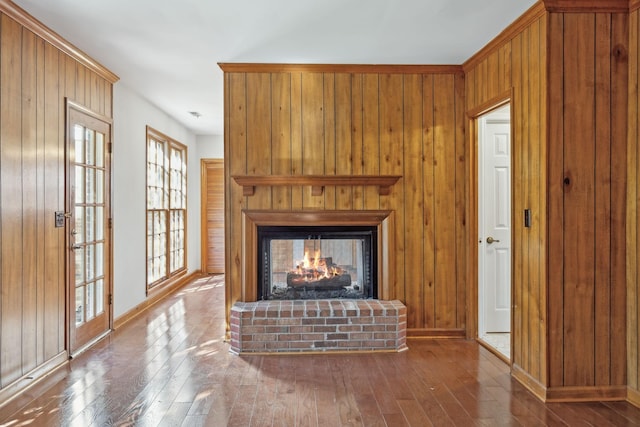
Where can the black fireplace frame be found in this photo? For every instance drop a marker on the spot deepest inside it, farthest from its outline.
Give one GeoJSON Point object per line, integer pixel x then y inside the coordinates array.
{"type": "Point", "coordinates": [266, 233]}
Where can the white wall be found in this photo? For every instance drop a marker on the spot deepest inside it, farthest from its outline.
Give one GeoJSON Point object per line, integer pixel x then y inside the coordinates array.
{"type": "Point", "coordinates": [210, 146]}
{"type": "Point", "coordinates": [131, 115]}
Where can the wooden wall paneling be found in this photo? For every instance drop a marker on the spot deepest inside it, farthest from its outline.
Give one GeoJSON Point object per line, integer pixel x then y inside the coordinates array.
{"type": "Point", "coordinates": [505, 68]}
{"type": "Point", "coordinates": [483, 93]}
{"type": "Point", "coordinates": [620, 123]}
{"type": "Point", "coordinates": [296, 138]}
{"type": "Point", "coordinates": [429, 211]}
{"type": "Point", "coordinates": [281, 136]}
{"type": "Point", "coordinates": [632, 237]}
{"type": "Point", "coordinates": [524, 197]}
{"type": "Point", "coordinates": [55, 136]}
{"type": "Point", "coordinates": [258, 124]}
{"type": "Point", "coordinates": [444, 175]}
{"type": "Point", "coordinates": [555, 235]}
{"type": "Point", "coordinates": [11, 200]}
{"type": "Point", "coordinates": [357, 136]}
{"type": "Point", "coordinates": [413, 230]}
{"type": "Point", "coordinates": [493, 74]}
{"type": "Point", "coordinates": [602, 214]}
{"type": "Point", "coordinates": [29, 202]}
{"type": "Point", "coordinates": [230, 267]}
{"type": "Point", "coordinates": [235, 164]}
{"type": "Point", "coordinates": [329, 132]}
{"type": "Point", "coordinates": [81, 82]}
{"type": "Point", "coordinates": [519, 332]}
{"type": "Point", "coordinates": [537, 182]}
{"type": "Point", "coordinates": [42, 211]}
{"type": "Point", "coordinates": [343, 133]}
{"type": "Point", "coordinates": [70, 67]}
{"type": "Point", "coordinates": [371, 137]}
{"type": "Point", "coordinates": [391, 162]}
{"type": "Point", "coordinates": [97, 93]}
{"type": "Point", "coordinates": [535, 172]}
{"type": "Point", "coordinates": [540, 217]}
{"type": "Point", "coordinates": [461, 182]}
{"type": "Point", "coordinates": [579, 236]}
{"type": "Point", "coordinates": [313, 138]}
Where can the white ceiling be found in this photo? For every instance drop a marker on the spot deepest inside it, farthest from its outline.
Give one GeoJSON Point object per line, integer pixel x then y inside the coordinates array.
{"type": "Point", "coordinates": [168, 50]}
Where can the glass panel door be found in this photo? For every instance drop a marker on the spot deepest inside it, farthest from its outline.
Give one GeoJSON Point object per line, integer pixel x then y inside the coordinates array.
{"type": "Point", "coordinates": [88, 236]}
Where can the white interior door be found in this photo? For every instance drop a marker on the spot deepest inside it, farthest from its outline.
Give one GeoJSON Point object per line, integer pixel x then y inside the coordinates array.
{"type": "Point", "coordinates": [494, 225]}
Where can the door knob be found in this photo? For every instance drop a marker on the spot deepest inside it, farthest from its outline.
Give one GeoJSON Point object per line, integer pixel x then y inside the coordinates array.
{"type": "Point", "coordinates": [491, 240]}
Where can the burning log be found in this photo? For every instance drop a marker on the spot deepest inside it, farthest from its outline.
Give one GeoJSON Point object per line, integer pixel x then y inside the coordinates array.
{"type": "Point", "coordinates": [318, 273]}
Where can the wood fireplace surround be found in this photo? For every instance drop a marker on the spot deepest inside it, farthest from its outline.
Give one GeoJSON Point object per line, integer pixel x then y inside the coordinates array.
{"type": "Point", "coordinates": [252, 219]}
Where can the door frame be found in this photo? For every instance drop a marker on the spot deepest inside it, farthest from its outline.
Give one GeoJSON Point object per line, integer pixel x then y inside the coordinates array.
{"type": "Point", "coordinates": [70, 272]}
{"type": "Point", "coordinates": [473, 117]}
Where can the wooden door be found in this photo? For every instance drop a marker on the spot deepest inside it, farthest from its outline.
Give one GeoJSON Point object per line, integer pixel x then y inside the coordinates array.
{"type": "Point", "coordinates": [212, 215]}
{"type": "Point", "coordinates": [494, 207]}
{"type": "Point", "coordinates": [88, 208]}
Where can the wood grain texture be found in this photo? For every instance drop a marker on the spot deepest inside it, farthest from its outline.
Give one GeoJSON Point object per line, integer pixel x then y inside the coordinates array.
{"type": "Point", "coordinates": [352, 124]}
{"type": "Point", "coordinates": [35, 78]}
{"type": "Point", "coordinates": [632, 211]}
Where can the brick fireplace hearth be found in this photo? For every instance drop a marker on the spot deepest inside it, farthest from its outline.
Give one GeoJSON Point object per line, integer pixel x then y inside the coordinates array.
{"type": "Point", "coordinates": [318, 325]}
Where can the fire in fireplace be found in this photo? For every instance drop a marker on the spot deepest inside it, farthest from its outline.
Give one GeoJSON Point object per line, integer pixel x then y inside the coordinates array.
{"type": "Point", "coordinates": [306, 262]}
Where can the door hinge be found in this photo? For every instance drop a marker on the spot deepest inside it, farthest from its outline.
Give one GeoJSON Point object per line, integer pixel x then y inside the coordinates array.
{"type": "Point", "coordinates": [110, 223]}
{"type": "Point", "coordinates": [110, 299]}
{"type": "Point", "coordinates": [109, 147]}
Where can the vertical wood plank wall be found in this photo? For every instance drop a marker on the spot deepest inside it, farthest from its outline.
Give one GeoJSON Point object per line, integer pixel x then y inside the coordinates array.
{"type": "Point", "coordinates": [354, 123]}
{"type": "Point", "coordinates": [588, 80]}
{"type": "Point", "coordinates": [568, 76]}
{"type": "Point", "coordinates": [35, 78]}
{"type": "Point", "coordinates": [518, 67]}
{"type": "Point", "coordinates": [633, 214]}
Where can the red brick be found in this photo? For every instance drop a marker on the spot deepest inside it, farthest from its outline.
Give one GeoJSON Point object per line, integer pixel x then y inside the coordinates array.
{"type": "Point", "coordinates": [312, 337]}
{"type": "Point", "coordinates": [265, 337]}
{"type": "Point", "coordinates": [337, 321]}
{"type": "Point", "coordinates": [277, 329]}
{"type": "Point", "coordinates": [289, 337]}
{"type": "Point", "coordinates": [349, 328]}
{"type": "Point", "coordinates": [324, 329]}
{"type": "Point", "coordinates": [361, 335]}
{"type": "Point", "coordinates": [374, 328]}
{"type": "Point", "coordinates": [384, 336]}
{"type": "Point", "coordinates": [337, 336]}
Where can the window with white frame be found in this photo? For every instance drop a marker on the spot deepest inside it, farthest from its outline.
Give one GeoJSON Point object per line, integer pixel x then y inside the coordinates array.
{"type": "Point", "coordinates": [166, 207]}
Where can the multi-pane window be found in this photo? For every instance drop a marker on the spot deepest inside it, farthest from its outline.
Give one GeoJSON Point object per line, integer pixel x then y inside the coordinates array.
{"type": "Point", "coordinates": [166, 207]}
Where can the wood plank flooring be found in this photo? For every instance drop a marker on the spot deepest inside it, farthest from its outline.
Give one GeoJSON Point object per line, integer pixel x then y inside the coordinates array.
{"type": "Point", "coordinates": [171, 367]}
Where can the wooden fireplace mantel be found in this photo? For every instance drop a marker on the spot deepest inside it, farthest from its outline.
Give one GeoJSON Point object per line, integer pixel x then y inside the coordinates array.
{"type": "Point", "coordinates": [317, 182]}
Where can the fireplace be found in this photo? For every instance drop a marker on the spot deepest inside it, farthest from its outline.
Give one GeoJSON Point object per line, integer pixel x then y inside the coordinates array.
{"type": "Point", "coordinates": [379, 250]}
{"type": "Point", "coordinates": [349, 305]}
{"type": "Point", "coordinates": [317, 262]}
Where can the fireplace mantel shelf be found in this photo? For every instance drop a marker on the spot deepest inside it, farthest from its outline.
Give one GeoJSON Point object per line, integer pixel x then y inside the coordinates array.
{"type": "Point", "coordinates": [317, 182]}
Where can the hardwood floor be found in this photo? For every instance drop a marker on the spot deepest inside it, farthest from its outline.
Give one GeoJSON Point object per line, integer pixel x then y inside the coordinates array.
{"type": "Point", "coordinates": [170, 367]}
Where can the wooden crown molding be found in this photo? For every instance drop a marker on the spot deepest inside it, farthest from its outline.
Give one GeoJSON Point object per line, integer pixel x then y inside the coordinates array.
{"type": "Point", "coordinates": [588, 5]}
{"type": "Point", "coordinates": [634, 5]}
{"type": "Point", "coordinates": [243, 67]}
{"type": "Point", "coordinates": [535, 12]}
{"type": "Point", "coordinates": [21, 16]}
